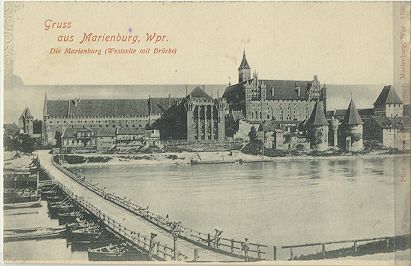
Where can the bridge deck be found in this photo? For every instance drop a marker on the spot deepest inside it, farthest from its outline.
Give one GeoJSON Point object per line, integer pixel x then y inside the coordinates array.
{"type": "Point", "coordinates": [126, 218]}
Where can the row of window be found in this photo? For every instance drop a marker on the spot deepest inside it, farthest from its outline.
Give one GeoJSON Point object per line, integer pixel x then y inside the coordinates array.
{"type": "Point", "coordinates": [92, 121]}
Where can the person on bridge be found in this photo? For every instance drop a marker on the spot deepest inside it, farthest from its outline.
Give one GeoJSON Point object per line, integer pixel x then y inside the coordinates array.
{"type": "Point", "coordinates": [245, 246]}
{"type": "Point", "coordinates": [217, 237]}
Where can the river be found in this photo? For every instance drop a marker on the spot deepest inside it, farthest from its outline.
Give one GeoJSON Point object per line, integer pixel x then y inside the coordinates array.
{"type": "Point", "coordinates": [276, 203]}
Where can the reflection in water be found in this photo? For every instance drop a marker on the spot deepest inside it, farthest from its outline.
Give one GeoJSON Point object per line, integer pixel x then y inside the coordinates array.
{"type": "Point", "coordinates": [283, 202]}
{"type": "Point", "coordinates": [278, 203]}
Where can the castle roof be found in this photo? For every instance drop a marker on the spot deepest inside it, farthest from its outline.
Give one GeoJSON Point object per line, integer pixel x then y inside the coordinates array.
{"type": "Point", "coordinates": [131, 131]}
{"type": "Point", "coordinates": [388, 95]}
{"type": "Point", "coordinates": [352, 116]}
{"type": "Point", "coordinates": [107, 107]}
{"type": "Point", "coordinates": [199, 93]}
{"type": "Point", "coordinates": [244, 64]}
{"type": "Point", "coordinates": [26, 113]}
{"type": "Point", "coordinates": [386, 122]}
{"type": "Point", "coordinates": [287, 89]}
{"type": "Point", "coordinates": [70, 132]}
{"type": "Point", "coordinates": [317, 117]}
{"type": "Point", "coordinates": [105, 131]}
{"type": "Point", "coordinates": [275, 89]}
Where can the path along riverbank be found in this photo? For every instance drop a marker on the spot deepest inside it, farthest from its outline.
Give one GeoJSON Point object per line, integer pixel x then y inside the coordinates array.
{"type": "Point", "coordinates": [185, 158]}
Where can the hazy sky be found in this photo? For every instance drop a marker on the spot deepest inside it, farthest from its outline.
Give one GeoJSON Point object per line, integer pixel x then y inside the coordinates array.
{"type": "Point", "coordinates": [343, 43]}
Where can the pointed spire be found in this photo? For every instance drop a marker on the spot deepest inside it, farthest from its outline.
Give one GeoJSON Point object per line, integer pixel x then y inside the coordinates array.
{"type": "Point", "coordinates": [352, 117]}
{"type": "Point", "coordinates": [45, 112]}
{"type": "Point", "coordinates": [317, 117]}
{"type": "Point", "coordinates": [26, 113]}
{"type": "Point", "coordinates": [244, 64]}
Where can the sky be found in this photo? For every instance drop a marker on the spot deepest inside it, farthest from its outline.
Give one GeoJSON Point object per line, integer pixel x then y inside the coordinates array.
{"type": "Point", "coordinates": [343, 43]}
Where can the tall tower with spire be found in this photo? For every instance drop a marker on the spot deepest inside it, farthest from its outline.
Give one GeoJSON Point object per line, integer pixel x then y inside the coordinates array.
{"type": "Point", "coordinates": [26, 121]}
{"type": "Point", "coordinates": [244, 70]}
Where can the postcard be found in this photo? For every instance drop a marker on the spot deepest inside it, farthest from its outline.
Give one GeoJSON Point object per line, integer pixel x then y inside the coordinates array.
{"type": "Point", "coordinates": [206, 132]}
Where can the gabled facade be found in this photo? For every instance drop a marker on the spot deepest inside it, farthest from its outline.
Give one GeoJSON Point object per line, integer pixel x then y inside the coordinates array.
{"type": "Point", "coordinates": [196, 118]}
{"type": "Point", "coordinates": [388, 103]}
{"type": "Point", "coordinates": [280, 100]}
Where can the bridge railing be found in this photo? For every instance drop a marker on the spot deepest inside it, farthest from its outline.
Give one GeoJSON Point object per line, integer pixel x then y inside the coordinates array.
{"type": "Point", "coordinates": [160, 251]}
{"type": "Point", "coordinates": [388, 243]}
{"type": "Point", "coordinates": [222, 245]}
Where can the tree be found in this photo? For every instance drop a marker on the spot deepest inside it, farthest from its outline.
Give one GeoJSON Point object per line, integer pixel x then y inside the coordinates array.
{"type": "Point", "coordinates": [57, 137]}
{"type": "Point", "coordinates": [26, 143]}
{"type": "Point", "coordinates": [252, 134]}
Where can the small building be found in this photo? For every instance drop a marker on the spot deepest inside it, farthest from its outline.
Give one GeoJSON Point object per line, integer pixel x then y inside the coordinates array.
{"type": "Point", "coordinates": [352, 129]}
{"type": "Point", "coordinates": [130, 135]}
{"type": "Point", "coordinates": [317, 128]}
{"type": "Point", "coordinates": [79, 139]}
{"type": "Point", "coordinates": [152, 137]}
{"type": "Point", "coordinates": [106, 137]}
{"type": "Point", "coordinates": [391, 132]}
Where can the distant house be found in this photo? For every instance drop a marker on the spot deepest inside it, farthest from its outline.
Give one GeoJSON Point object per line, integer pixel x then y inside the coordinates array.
{"type": "Point", "coordinates": [79, 139]}
{"type": "Point", "coordinates": [106, 137]}
{"type": "Point", "coordinates": [390, 131]}
{"type": "Point", "coordinates": [130, 135]}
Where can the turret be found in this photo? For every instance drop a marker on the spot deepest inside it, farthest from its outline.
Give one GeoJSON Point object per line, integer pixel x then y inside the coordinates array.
{"type": "Point", "coordinates": [317, 127]}
{"type": "Point", "coordinates": [352, 129]}
{"type": "Point", "coordinates": [244, 70]}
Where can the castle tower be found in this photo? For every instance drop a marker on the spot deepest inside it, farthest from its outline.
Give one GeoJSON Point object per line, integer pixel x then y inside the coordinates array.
{"type": "Point", "coordinates": [244, 70]}
{"type": "Point", "coordinates": [26, 121]}
{"type": "Point", "coordinates": [352, 129]}
{"type": "Point", "coordinates": [318, 128]}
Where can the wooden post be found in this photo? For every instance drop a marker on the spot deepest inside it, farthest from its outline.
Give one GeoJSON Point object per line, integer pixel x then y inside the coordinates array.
{"type": "Point", "coordinates": [175, 247]}
{"type": "Point", "coordinates": [209, 240]}
{"type": "Point", "coordinates": [355, 247]}
{"type": "Point", "coordinates": [388, 243]}
{"type": "Point", "coordinates": [195, 254]}
{"type": "Point", "coordinates": [291, 254]}
{"type": "Point", "coordinates": [275, 253]}
{"type": "Point", "coordinates": [323, 249]}
{"type": "Point", "coordinates": [232, 245]}
{"type": "Point", "coordinates": [258, 251]}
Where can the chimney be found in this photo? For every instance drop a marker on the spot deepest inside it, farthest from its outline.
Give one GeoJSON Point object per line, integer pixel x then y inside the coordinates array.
{"type": "Point", "coordinates": [204, 89]}
{"type": "Point", "coordinates": [169, 99]}
{"type": "Point", "coordinates": [298, 91]}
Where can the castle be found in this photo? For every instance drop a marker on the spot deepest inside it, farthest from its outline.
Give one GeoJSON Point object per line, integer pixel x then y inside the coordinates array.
{"type": "Point", "coordinates": [97, 113]}
{"type": "Point", "coordinates": [196, 118]}
{"type": "Point", "coordinates": [286, 101]}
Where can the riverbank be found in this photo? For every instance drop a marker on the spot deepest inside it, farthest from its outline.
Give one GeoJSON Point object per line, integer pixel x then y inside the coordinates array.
{"type": "Point", "coordinates": [185, 158]}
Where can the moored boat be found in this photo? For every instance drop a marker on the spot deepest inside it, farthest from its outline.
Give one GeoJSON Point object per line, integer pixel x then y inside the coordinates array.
{"type": "Point", "coordinates": [30, 202]}
{"type": "Point", "coordinates": [121, 252]}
